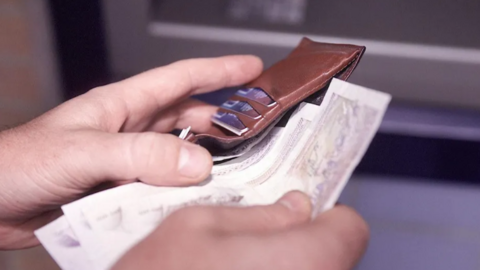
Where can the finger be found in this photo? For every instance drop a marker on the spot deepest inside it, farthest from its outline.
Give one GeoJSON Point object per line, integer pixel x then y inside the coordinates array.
{"type": "Point", "coordinates": [21, 235]}
{"type": "Point", "coordinates": [335, 240]}
{"type": "Point", "coordinates": [144, 95]}
{"type": "Point", "coordinates": [292, 209]}
{"type": "Point", "coordinates": [345, 237]}
{"type": "Point", "coordinates": [191, 112]}
{"type": "Point", "coordinates": [153, 158]}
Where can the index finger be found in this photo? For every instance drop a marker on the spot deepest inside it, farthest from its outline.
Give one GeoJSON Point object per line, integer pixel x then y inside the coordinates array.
{"type": "Point", "coordinates": [156, 89]}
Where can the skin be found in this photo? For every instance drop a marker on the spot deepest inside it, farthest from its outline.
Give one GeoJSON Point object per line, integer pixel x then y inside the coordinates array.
{"type": "Point", "coordinates": [279, 236]}
{"type": "Point", "coordinates": [116, 134]}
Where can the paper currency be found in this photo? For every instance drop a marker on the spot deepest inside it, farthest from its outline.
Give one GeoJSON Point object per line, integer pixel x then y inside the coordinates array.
{"type": "Point", "coordinates": [63, 245]}
{"type": "Point", "coordinates": [322, 161]}
{"type": "Point", "coordinates": [109, 199]}
{"type": "Point", "coordinates": [315, 152]}
{"type": "Point", "coordinates": [245, 146]}
{"type": "Point", "coordinates": [127, 221]}
{"type": "Point", "coordinates": [135, 219]}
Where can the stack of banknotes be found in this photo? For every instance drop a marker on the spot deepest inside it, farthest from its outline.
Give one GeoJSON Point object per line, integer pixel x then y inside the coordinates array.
{"type": "Point", "coordinates": [315, 152]}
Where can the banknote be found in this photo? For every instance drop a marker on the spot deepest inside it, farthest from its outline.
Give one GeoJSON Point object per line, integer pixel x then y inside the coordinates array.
{"type": "Point", "coordinates": [109, 198]}
{"type": "Point", "coordinates": [337, 141]}
{"type": "Point", "coordinates": [130, 220]}
{"type": "Point", "coordinates": [256, 153]}
{"type": "Point", "coordinates": [102, 218]}
{"type": "Point", "coordinates": [315, 152]}
{"type": "Point", "coordinates": [63, 245]}
{"type": "Point", "coordinates": [253, 168]}
{"type": "Point", "coordinates": [135, 219]}
{"type": "Point", "coordinates": [323, 159]}
{"type": "Point", "coordinates": [246, 146]}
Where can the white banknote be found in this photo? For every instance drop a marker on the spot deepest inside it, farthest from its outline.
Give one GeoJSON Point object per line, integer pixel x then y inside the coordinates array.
{"type": "Point", "coordinates": [316, 152]}
{"type": "Point", "coordinates": [63, 245]}
{"type": "Point", "coordinates": [246, 146]}
{"type": "Point", "coordinates": [255, 167]}
{"type": "Point", "coordinates": [108, 199]}
{"type": "Point", "coordinates": [332, 145]}
{"type": "Point", "coordinates": [137, 218]}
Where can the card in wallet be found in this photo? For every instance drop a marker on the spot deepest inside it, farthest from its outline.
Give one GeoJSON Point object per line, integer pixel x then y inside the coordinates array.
{"type": "Point", "coordinates": [303, 76]}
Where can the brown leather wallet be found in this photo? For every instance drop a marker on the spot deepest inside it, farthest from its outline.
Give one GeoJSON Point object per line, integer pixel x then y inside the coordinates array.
{"type": "Point", "coordinates": [304, 75]}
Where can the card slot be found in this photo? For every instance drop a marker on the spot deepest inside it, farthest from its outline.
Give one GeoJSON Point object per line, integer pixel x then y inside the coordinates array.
{"type": "Point", "coordinates": [260, 108]}
{"type": "Point", "coordinates": [256, 94]}
{"type": "Point", "coordinates": [242, 107]}
{"type": "Point", "coordinates": [268, 89]}
{"type": "Point", "coordinates": [230, 121]}
{"type": "Point", "coordinates": [246, 120]}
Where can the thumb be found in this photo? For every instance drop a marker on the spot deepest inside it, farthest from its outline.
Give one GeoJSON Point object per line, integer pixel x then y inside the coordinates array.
{"type": "Point", "coordinates": [292, 209]}
{"type": "Point", "coordinates": [153, 158]}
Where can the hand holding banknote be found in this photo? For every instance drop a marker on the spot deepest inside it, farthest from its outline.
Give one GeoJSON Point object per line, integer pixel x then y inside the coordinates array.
{"type": "Point", "coordinates": [278, 236]}
{"type": "Point", "coordinates": [116, 133]}
{"type": "Point", "coordinates": [112, 133]}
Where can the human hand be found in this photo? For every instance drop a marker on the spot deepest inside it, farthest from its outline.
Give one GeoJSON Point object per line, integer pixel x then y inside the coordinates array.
{"type": "Point", "coordinates": [278, 236]}
{"type": "Point", "coordinates": [111, 133]}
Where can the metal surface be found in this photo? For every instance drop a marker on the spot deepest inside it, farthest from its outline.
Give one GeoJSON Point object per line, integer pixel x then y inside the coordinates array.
{"type": "Point", "coordinates": [432, 22]}
{"type": "Point", "coordinates": [289, 40]}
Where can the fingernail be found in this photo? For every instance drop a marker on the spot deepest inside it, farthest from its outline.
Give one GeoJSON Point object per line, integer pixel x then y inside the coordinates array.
{"type": "Point", "coordinates": [193, 161]}
{"type": "Point", "coordinates": [296, 201]}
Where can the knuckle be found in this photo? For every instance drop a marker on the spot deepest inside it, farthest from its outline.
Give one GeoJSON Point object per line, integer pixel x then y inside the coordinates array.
{"type": "Point", "coordinates": [181, 70]}
{"type": "Point", "coordinates": [227, 74]}
{"type": "Point", "coordinates": [141, 147]}
{"type": "Point", "coordinates": [101, 105]}
{"type": "Point", "coordinates": [151, 150]}
{"type": "Point", "coordinates": [139, 153]}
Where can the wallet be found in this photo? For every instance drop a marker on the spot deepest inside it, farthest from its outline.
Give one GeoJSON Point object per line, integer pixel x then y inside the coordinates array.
{"type": "Point", "coordinates": [255, 108]}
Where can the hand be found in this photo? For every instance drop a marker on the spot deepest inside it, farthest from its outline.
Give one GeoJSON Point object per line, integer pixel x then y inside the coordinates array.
{"type": "Point", "coordinates": [278, 236]}
{"type": "Point", "coordinates": [111, 133]}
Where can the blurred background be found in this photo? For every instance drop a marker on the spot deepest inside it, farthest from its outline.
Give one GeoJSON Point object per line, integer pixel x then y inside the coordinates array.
{"type": "Point", "coordinates": [418, 185]}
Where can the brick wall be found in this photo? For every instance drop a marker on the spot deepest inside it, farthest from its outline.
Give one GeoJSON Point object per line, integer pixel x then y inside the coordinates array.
{"type": "Point", "coordinates": [28, 82]}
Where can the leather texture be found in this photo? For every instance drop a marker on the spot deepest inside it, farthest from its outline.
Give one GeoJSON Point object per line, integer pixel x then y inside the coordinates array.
{"type": "Point", "coordinates": [304, 75]}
